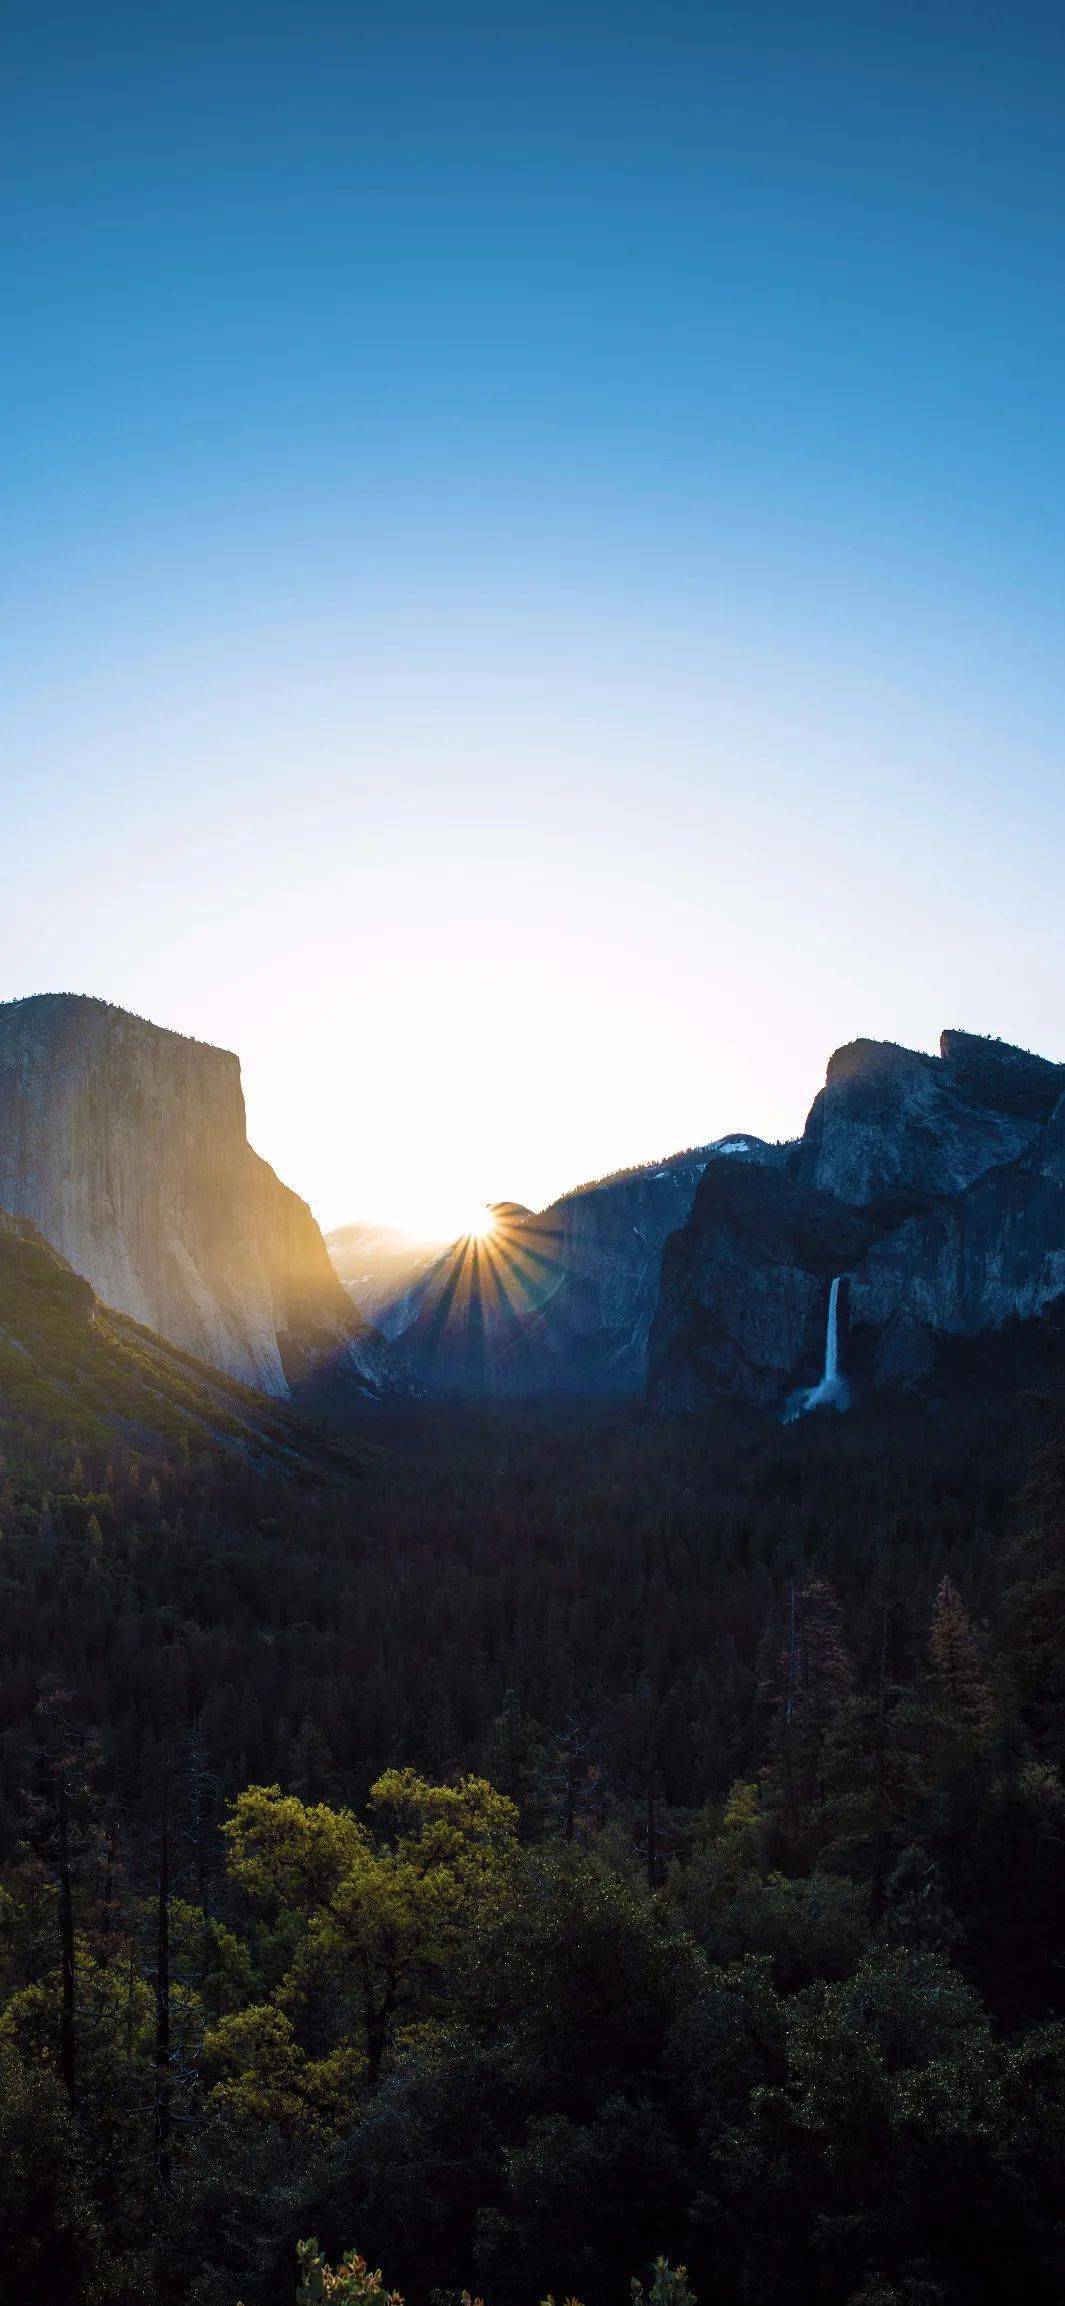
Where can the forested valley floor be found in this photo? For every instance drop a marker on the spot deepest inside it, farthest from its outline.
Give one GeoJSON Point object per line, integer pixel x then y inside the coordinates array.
{"type": "Point", "coordinates": [529, 1844]}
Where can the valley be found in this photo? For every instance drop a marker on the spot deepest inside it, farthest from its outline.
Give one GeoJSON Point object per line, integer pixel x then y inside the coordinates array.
{"type": "Point", "coordinates": [460, 1793]}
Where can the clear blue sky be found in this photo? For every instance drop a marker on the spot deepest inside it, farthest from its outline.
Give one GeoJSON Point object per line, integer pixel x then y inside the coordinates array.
{"type": "Point", "coordinates": [531, 558]}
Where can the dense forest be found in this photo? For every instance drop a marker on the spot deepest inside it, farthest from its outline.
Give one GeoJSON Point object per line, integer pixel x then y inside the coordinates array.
{"type": "Point", "coordinates": [530, 1849]}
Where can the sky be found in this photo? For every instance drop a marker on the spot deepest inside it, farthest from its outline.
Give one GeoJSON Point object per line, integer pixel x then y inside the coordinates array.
{"type": "Point", "coordinates": [531, 559]}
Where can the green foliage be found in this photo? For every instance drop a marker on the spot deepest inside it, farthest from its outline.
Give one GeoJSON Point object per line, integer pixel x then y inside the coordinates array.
{"type": "Point", "coordinates": [959, 1687]}
{"type": "Point", "coordinates": [349, 2284]}
{"type": "Point", "coordinates": [811, 1926]}
{"type": "Point", "coordinates": [74, 1374]}
{"type": "Point", "coordinates": [917, 1913]}
{"type": "Point", "coordinates": [581, 2196]}
{"type": "Point", "coordinates": [729, 2039]}
{"type": "Point", "coordinates": [429, 1728]}
{"type": "Point", "coordinates": [373, 1915]}
{"type": "Point", "coordinates": [51, 2244]}
{"type": "Point", "coordinates": [667, 2286]}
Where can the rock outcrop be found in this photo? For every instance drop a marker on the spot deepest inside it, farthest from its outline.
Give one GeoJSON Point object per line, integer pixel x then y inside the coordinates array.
{"type": "Point", "coordinates": [745, 1286]}
{"type": "Point", "coordinates": [894, 1130]}
{"type": "Point", "coordinates": [990, 1255]}
{"type": "Point", "coordinates": [935, 1185]}
{"type": "Point", "coordinates": [126, 1146]}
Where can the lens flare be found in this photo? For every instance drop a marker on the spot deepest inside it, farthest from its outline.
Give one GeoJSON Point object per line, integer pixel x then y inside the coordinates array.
{"type": "Point", "coordinates": [481, 1224]}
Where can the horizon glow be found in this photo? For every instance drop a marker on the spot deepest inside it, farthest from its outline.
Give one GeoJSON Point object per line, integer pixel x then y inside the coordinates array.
{"type": "Point", "coordinates": [532, 576]}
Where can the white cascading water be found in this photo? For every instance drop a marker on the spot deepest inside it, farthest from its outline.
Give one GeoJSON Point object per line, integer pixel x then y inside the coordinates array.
{"type": "Point", "coordinates": [832, 1392]}
{"type": "Point", "coordinates": [830, 1373]}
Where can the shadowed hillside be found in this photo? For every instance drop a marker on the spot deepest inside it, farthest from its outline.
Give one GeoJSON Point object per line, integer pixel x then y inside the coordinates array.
{"type": "Point", "coordinates": [77, 1374]}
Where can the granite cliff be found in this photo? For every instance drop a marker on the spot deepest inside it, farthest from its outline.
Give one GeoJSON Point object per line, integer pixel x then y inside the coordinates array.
{"type": "Point", "coordinates": [935, 1186]}
{"type": "Point", "coordinates": [126, 1146]}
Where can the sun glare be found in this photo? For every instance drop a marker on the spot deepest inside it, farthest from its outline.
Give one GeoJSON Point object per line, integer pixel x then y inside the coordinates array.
{"type": "Point", "coordinates": [477, 1223]}
{"type": "Point", "coordinates": [481, 1224]}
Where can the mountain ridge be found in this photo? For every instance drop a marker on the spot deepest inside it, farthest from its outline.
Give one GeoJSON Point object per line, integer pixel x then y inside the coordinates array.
{"type": "Point", "coordinates": [555, 1301]}
{"type": "Point", "coordinates": [931, 1185]}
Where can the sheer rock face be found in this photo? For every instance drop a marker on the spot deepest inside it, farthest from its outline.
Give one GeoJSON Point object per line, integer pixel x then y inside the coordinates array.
{"type": "Point", "coordinates": [936, 1185]}
{"type": "Point", "coordinates": [126, 1146]}
{"type": "Point", "coordinates": [893, 1129]}
{"type": "Point", "coordinates": [981, 1258]}
{"type": "Point", "coordinates": [745, 1286]}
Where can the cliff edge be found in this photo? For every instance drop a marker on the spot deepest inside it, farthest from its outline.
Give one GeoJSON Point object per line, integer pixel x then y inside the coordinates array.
{"type": "Point", "coordinates": [126, 1145]}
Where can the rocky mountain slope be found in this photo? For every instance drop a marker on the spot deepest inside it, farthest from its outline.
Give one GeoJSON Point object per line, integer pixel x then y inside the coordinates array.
{"type": "Point", "coordinates": [935, 1186]}
{"type": "Point", "coordinates": [556, 1301]}
{"type": "Point", "coordinates": [126, 1146]}
{"type": "Point", "coordinates": [73, 1371]}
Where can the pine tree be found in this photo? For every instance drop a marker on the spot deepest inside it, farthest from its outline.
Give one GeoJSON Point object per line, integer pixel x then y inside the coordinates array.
{"type": "Point", "coordinates": [1036, 1601]}
{"type": "Point", "coordinates": [877, 1766]}
{"type": "Point", "coordinates": [163, 2087]}
{"type": "Point", "coordinates": [60, 1814]}
{"type": "Point", "coordinates": [813, 1681]}
{"type": "Point", "coordinates": [916, 1912]}
{"type": "Point", "coordinates": [516, 1758]}
{"type": "Point", "coordinates": [958, 1686]}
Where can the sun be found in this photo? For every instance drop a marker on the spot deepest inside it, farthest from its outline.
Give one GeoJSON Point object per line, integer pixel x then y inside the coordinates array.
{"type": "Point", "coordinates": [444, 1225]}
{"type": "Point", "coordinates": [480, 1223]}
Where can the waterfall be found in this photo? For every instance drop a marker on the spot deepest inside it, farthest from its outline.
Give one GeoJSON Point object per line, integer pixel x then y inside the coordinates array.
{"type": "Point", "coordinates": [830, 1374]}
{"type": "Point", "coordinates": [832, 1391]}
